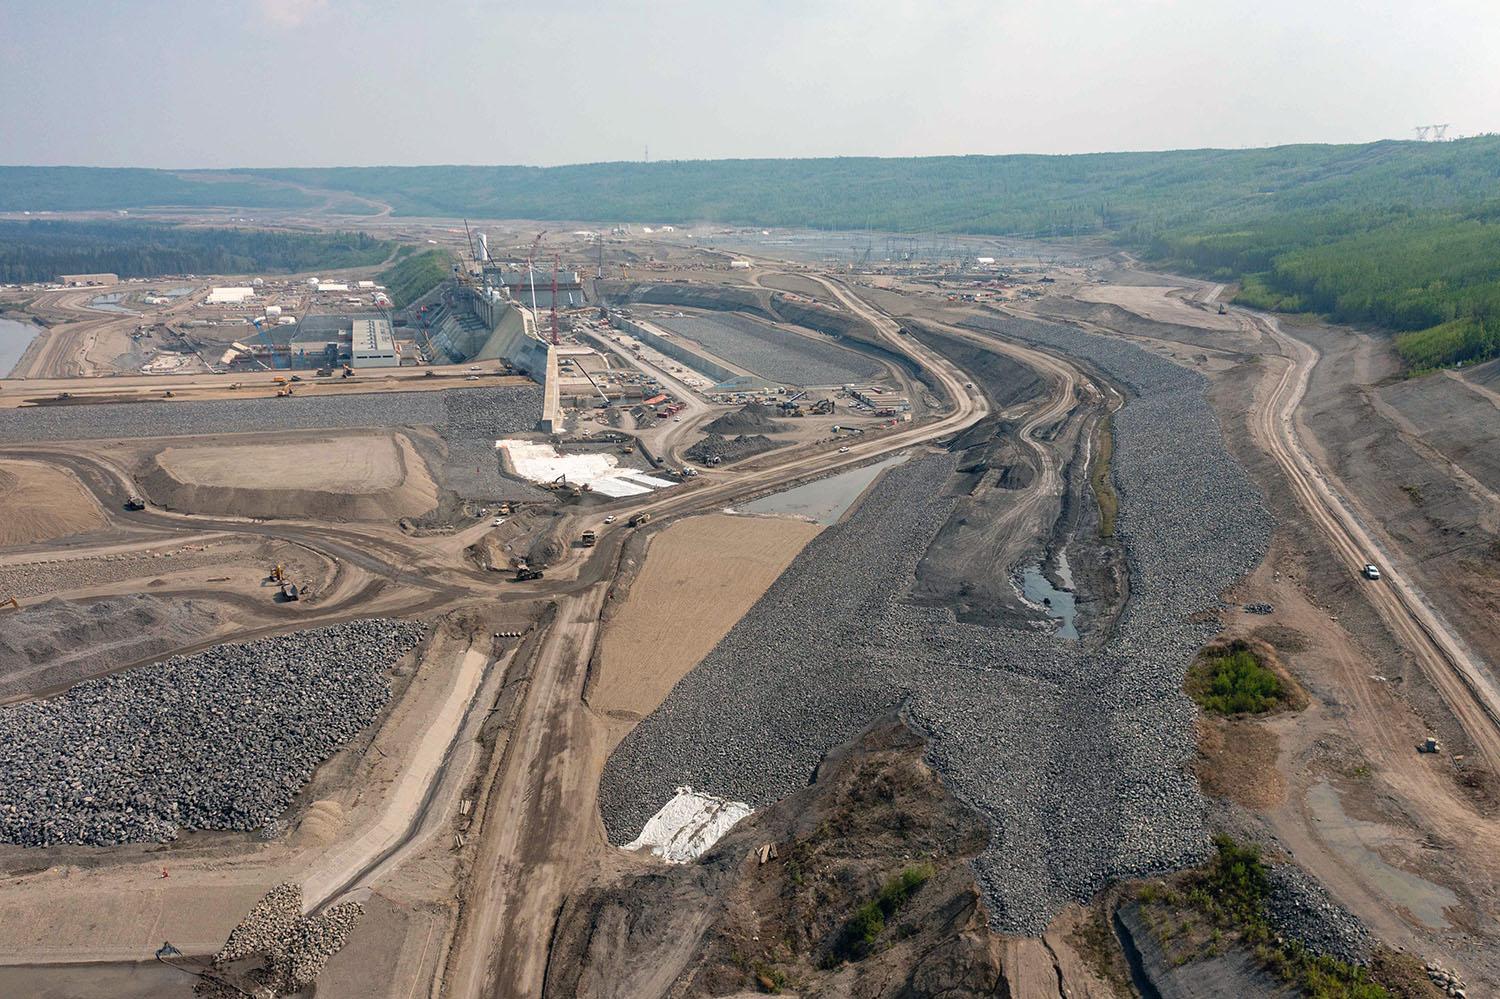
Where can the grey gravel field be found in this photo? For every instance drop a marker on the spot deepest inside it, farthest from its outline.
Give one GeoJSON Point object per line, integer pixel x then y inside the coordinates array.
{"type": "Point", "coordinates": [491, 412]}
{"type": "Point", "coordinates": [784, 357]}
{"type": "Point", "coordinates": [223, 739]}
{"type": "Point", "coordinates": [1077, 752]}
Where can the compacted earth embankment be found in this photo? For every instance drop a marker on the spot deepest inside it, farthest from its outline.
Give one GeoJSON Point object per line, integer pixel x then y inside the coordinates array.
{"type": "Point", "coordinates": [1077, 753]}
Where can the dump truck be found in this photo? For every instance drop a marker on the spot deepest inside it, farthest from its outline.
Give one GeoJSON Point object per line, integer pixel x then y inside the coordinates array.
{"type": "Point", "coordinates": [589, 539]}
{"type": "Point", "coordinates": [639, 519]}
{"type": "Point", "coordinates": [289, 591]}
{"type": "Point", "coordinates": [525, 574]}
{"type": "Point", "coordinates": [135, 503]}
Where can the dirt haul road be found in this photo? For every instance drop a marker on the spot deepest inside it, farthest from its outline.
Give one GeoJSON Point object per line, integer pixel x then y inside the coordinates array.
{"type": "Point", "coordinates": [1463, 681]}
{"type": "Point", "coordinates": [541, 825]}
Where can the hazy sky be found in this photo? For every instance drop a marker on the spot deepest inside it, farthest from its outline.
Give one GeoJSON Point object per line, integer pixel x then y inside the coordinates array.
{"type": "Point", "coordinates": [337, 82]}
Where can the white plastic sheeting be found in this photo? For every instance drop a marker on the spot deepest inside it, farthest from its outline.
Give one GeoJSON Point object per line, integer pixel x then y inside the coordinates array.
{"type": "Point", "coordinates": [685, 827]}
{"type": "Point", "coordinates": [541, 462]}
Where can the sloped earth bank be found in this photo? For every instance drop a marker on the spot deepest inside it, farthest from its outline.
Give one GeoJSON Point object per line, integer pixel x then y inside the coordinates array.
{"type": "Point", "coordinates": [1077, 754]}
{"type": "Point", "coordinates": [373, 476]}
{"type": "Point", "coordinates": [41, 503]}
{"type": "Point", "coordinates": [731, 922]}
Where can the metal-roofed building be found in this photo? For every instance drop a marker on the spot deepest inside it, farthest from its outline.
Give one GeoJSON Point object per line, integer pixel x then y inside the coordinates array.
{"type": "Point", "coordinates": [373, 345]}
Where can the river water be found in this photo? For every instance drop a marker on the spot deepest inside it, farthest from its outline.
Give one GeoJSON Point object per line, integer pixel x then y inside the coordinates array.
{"type": "Point", "coordinates": [824, 501]}
{"type": "Point", "coordinates": [14, 337]}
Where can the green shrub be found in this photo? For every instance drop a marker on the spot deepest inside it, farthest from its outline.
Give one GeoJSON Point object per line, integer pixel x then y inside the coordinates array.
{"type": "Point", "coordinates": [858, 937]}
{"type": "Point", "coordinates": [1235, 682]}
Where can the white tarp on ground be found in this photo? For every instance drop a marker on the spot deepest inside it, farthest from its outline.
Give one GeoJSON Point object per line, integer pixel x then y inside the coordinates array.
{"type": "Point", "coordinates": [688, 825]}
{"type": "Point", "coordinates": [541, 462]}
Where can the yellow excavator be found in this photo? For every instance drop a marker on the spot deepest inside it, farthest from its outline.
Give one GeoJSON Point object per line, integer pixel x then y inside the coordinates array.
{"type": "Point", "coordinates": [15, 604]}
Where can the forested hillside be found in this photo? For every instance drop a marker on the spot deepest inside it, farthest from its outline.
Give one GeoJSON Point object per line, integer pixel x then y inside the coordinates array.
{"type": "Point", "coordinates": [41, 250]}
{"type": "Point", "coordinates": [1399, 234]}
{"type": "Point", "coordinates": [1433, 277]}
{"type": "Point", "coordinates": [415, 275]}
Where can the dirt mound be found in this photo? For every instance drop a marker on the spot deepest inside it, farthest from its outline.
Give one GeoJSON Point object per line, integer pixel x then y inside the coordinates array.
{"type": "Point", "coordinates": [730, 921]}
{"type": "Point", "coordinates": [53, 644]}
{"type": "Point", "coordinates": [717, 449]}
{"type": "Point", "coordinates": [42, 502]}
{"type": "Point", "coordinates": [370, 476]}
{"type": "Point", "coordinates": [753, 418]}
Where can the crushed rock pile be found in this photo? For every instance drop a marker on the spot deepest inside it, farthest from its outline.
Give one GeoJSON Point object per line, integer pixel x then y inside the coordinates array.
{"type": "Point", "coordinates": [718, 449]}
{"type": "Point", "coordinates": [222, 739]}
{"type": "Point", "coordinates": [752, 417]}
{"type": "Point", "coordinates": [57, 642]}
{"type": "Point", "coordinates": [1077, 753]}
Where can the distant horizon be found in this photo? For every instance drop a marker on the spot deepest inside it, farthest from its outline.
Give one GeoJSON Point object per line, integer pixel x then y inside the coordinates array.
{"type": "Point", "coordinates": [742, 159]}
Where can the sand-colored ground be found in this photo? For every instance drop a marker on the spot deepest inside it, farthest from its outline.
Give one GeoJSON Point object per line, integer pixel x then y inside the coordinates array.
{"type": "Point", "coordinates": [354, 476]}
{"type": "Point", "coordinates": [1157, 303]}
{"type": "Point", "coordinates": [41, 503]}
{"type": "Point", "coordinates": [701, 576]}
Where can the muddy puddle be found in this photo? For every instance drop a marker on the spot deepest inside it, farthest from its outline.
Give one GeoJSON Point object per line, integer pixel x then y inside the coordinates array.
{"type": "Point", "coordinates": [1355, 841]}
{"type": "Point", "coordinates": [111, 303]}
{"type": "Point", "coordinates": [1059, 604]}
{"type": "Point", "coordinates": [14, 337]}
{"type": "Point", "coordinates": [824, 501]}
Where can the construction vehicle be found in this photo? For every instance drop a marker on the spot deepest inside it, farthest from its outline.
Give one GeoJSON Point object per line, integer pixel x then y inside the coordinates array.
{"type": "Point", "coordinates": [284, 393]}
{"type": "Point", "coordinates": [1430, 746]}
{"type": "Point", "coordinates": [525, 574]}
{"type": "Point", "coordinates": [289, 591]}
{"type": "Point", "coordinates": [12, 602]}
{"type": "Point", "coordinates": [639, 519]}
{"type": "Point", "coordinates": [589, 539]}
{"type": "Point", "coordinates": [135, 503]}
{"type": "Point", "coordinates": [235, 385]}
{"type": "Point", "coordinates": [277, 573]}
{"type": "Point", "coordinates": [348, 372]}
{"type": "Point", "coordinates": [279, 380]}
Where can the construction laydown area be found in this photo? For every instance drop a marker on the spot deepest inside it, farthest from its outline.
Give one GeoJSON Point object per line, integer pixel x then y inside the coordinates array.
{"type": "Point", "coordinates": [916, 628]}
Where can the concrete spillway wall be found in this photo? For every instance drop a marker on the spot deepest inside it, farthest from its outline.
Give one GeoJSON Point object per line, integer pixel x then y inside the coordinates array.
{"type": "Point", "coordinates": [509, 341]}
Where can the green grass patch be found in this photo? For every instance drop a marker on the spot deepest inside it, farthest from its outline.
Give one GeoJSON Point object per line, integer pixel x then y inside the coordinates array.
{"type": "Point", "coordinates": [858, 937]}
{"type": "Point", "coordinates": [1234, 681]}
{"type": "Point", "coordinates": [1100, 481]}
{"type": "Point", "coordinates": [1229, 895]}
{"type": "Point", "coordinates": [415, 275]}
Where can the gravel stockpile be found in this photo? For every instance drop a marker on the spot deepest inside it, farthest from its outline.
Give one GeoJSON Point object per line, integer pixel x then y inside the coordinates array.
{"type": "Point", "coordinates": [222, 739]}
{"type": "Point", "coordinates": [1077, 752]}
{"type": "Point", "coordinates": [49, 645]}
{"type": "Point", "coordinates": [717, 448]}
{"type": "Point", "coordinates": [493, 411]}
{"type": "Point", "coordinates": [1300, 908]}
{"type": "Point", "coordinates": [750, 418]}
{"type": "Point", "coordinates": [789, 358]}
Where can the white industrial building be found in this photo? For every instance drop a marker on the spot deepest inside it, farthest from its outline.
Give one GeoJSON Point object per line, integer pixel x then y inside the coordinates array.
{"type": "Point", "coordinates": [332, 286]}
{"type": "Point", "coordinates": [372, 345]}
{"type": "Point", "coordinates": [229, 296]}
